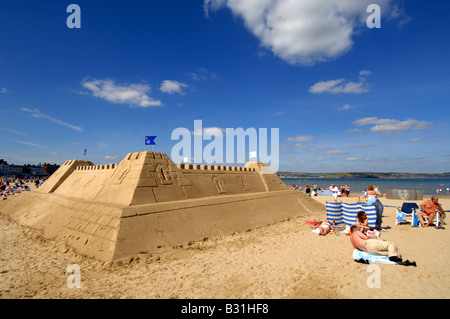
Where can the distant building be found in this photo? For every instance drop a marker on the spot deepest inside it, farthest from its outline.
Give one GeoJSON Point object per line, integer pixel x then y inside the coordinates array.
{"type": "Point", "coordinates": [37, 171]}
{"type": "Point", "coordinates": [49, 169]}
{"type": "Point", "coordinates": [27, 170]}
{"type": "Point", "coordinates": [12, 169]}
{"type": "Point", "coordinates": [4, 169]}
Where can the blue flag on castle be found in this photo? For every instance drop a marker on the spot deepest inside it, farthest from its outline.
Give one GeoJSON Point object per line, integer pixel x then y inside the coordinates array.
{"type": "Point", "coordinates": [150, 140]}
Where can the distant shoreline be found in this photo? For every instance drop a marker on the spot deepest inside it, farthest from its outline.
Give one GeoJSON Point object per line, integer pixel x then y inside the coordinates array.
{"type": "Point", "coordinates": [362, 175]}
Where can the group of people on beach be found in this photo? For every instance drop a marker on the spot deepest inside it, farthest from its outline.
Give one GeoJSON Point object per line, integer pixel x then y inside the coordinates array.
{"type": "Point", "coordinates": [439, 190]}
{"type": "Point", "coordinates": [313, 190]}
{"type": "Point", "coordinates": [360, 239]}
{"type": "Point", "coordinates": [310, 191]}
{"type": "Point", "coordinates": [366, 239]}
{"type": "Point", "coordinates": [10, 186]}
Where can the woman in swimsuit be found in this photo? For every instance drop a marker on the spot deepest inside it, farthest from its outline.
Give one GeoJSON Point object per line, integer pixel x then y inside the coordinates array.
{"type": "Point", "coordinates": [325, 228]}
{"type": "Point", "coordinates": [362, 221]}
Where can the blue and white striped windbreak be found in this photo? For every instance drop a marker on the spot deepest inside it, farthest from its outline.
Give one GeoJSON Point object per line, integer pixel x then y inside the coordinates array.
{"type": "Point", "coordinates": [346, 213]}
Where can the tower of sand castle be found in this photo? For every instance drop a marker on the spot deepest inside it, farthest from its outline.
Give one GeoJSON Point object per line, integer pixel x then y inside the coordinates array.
{"type": "Point", "coordinates": [145, 202]}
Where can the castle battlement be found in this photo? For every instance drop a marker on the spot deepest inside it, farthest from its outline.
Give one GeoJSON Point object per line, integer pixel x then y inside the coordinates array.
{"type": "Point", "coordinates": [95, 167]}
{"type": "Point", "coordinates": [215, 168]}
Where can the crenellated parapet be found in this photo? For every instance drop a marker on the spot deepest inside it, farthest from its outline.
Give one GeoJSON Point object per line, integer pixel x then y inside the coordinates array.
{"type": "Point", "coordinates": [215, 168]}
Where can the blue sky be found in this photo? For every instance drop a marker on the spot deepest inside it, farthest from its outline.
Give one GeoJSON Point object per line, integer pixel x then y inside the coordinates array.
{"type": "Point", "coordinates": [344, 97]}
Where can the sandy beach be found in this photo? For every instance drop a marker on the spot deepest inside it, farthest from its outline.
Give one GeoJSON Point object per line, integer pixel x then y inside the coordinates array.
{"type": "Point", "coordinates": [285, 260]}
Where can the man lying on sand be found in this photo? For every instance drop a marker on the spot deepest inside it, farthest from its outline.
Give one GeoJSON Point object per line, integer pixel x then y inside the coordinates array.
{"type": "Point", "coordinates": [376, 246]}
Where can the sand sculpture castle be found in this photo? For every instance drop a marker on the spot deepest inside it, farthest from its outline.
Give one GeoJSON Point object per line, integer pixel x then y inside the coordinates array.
{"type": "Point", "coordinates": [146, 202]}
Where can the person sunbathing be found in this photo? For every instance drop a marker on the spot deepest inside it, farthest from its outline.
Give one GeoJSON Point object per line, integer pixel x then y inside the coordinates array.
{"type": "Point", "coordinates": [325, 228]}
{"type": "Point", "coordinates": [376, 246]}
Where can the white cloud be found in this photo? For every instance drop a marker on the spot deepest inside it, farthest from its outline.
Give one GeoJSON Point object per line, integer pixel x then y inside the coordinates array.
{"type": "Point", "coordinates": [303, 32]}
{"type": "Point", "coordinates": [392, 125]}
{"type": "Point", "coordinates": [301, 138]}
{"type": "Point", "coordinates": [39, 115]}
{"type": "Point", "coordinates": [210, 131]}
{"type": "Point", "coordinates": [345, 107]}
{"type": "Point", "coordinates": [132, 94]}
{"type": "Point", "coordinates": [342, 86]}
{"type": "Point", "coordinates": [355, 130]}
{"type": "Point", "coordinates": [336, 152]}
{"type": "Point", "coordinates": [170, 86]}
{"type": "Point", "coordinates": [300, 145]}
{"type": "Point", "coordinates": [203, 74]}
{"type": "Point", "coordinates": [10, 130]}
{"type": "Point", "coordinates": [415, 140]}
{"type": "Point", "coordinates": [366, 145]}
{"type": "Point", "coordinates": [4, 90]}
{"type": "Point", "coordinates": [28, 143]}
{"type": "Point", "coordinates": [55, 154]}
{"type": "Point", "coordinates": [111, 158]}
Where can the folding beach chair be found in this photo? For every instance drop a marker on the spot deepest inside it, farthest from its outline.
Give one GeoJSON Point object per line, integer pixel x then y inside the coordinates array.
{"type": "Point", "coordinates": [407, 210]}
{"type": "Point", "coordinates": [436, 220]}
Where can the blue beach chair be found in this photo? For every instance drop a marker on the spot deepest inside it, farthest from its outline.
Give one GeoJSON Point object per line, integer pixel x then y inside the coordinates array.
{"type": "Point", "coordinates": [407, 210]}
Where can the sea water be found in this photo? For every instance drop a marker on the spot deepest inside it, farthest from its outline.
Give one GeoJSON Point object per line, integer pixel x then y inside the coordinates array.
{"type": "Point", "coordinates": [429, 186]}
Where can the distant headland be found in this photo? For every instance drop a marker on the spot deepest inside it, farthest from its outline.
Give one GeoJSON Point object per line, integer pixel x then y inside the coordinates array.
{"type": "Point", "coordinates": [362, 175]}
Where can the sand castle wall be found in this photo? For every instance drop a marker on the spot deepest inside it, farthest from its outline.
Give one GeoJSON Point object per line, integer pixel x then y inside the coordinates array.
{"type": "Point", "coordinates": [145, 202]}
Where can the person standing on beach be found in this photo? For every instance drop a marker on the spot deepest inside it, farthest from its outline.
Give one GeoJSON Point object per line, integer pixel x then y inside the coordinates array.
{"type": "Point", "coordinates": [335, 192]}
{"type": "Point", "coordinates": [373, 200]}
{"type": "Point", "coordinates": [342, 190]}
{"type": "Point", "coordinates": [308, 190]}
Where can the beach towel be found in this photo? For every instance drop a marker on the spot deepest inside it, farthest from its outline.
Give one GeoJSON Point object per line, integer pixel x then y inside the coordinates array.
{"type": "Point", "coordinates": [400, 216]}
{"type": "Point", "coordinates": [358, 254]}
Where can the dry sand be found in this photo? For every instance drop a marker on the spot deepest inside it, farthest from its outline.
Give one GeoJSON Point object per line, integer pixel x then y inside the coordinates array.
{"type": "Point", "coordinates": [283, 260]}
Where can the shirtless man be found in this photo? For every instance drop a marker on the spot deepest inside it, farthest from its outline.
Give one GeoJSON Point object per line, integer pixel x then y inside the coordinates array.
{"type": "Point", "coordinates": [429, 208]}
{"type": "Point", "coordinates": [376, 246]}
